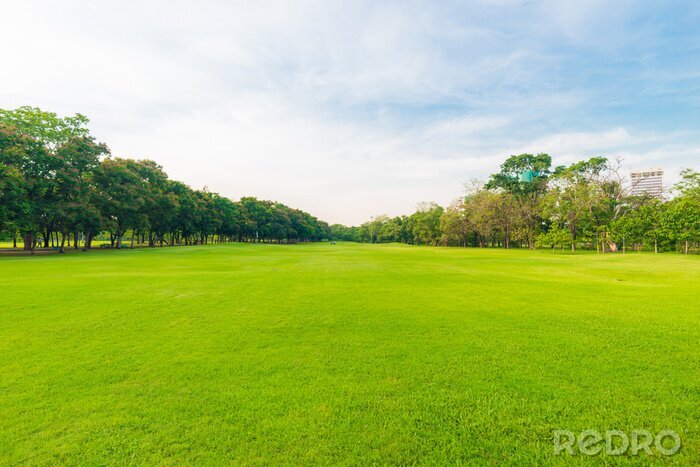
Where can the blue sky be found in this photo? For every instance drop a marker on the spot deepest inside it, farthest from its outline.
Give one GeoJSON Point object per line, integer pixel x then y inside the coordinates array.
{"type": "Point", "coordinates": [354, 109]}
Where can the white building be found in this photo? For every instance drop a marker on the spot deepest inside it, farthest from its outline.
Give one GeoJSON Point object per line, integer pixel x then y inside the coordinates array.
{"type": "Point", "coordinates": [647, 182]}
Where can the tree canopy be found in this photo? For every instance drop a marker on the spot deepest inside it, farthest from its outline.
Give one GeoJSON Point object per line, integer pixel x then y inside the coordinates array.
{"type": "Point", "coordinates": [58, 184]}
{"type": "Point", "coordinates": [527, 204]}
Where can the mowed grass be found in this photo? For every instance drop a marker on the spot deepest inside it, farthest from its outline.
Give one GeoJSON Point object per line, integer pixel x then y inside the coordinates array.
{"type": "Point", "coordinates": [20, 245]}
{"type": "Point", "coordinates": [351, 354]}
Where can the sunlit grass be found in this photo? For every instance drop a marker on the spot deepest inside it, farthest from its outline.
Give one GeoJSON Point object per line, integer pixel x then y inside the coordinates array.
{"type": "Point", "coordinates": [5, 244]}
{"type": "Point", "coordinates": [341, 354]}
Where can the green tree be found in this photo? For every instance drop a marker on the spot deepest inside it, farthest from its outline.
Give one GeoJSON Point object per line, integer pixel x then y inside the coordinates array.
{"type": "Point", "coordinates": [573, 197]}
{"type": "Point", "coordinates": [555, 236]}
{"type": "Point", "coordinates": [689, 184]}
{"type": "Point", "coordinates": [391, 231]}
{"type": "Point", "coordinates": [32, 170]}
{"type": "Point", "coordinates": [46, 127]}
{"type": "Point", "coordinates": [643, 225]}
{"type": "Point", "coordinates": [524, 177]}
{"type": "Point", "coordinates": [12, 199]}
{"type": "Point", "coordinates": [426, 226]}
{"type": "Point", "coordinates": [455, 224]}
{"type": "Point", "coordinates": [121, 196]}
{"type": "Point", "coordinates": [77, 161]}
{"type": "Point", "coordinates": [489, 215]}
{"type": "Point", "coordinates": [681, 221]}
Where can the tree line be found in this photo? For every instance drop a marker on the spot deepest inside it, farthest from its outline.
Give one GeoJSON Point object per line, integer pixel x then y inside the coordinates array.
{"type": "Point", "coordinates": [531, 204]}
{"type": "Point", "coordinates": [59, 187]}
{"type": "Point", "coordinates": [58, 184]}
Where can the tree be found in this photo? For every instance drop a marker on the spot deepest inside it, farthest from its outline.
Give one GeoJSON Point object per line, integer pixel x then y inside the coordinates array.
{"type": "Point", "coordinates": [689, 184]}
{"type": "Point", "coordinates": [524, 177]}
{"type": "Point", "coordinates": [343, 233]}
{"type": "Point", "coordinates": [77, 161]}
{"type": "Point", "coordinates": [682, 216]}
{"type": "Point", "coordinates": [207, 222]}
{"type": "Point", "coordinates": [47, 172]}
{"type": "Point", "coordinates": [572, 197]}
{"type": "Point", "coordinates": [32, 170]}
{"type": "Point", "coordinates": [485, 214]}
{"type": "Point", "coordinates": [121, 196]}
{"type": "Point", "coordinates": [12, 200]}
{"type": "Point", "coordinates": [455, 224]}
{"type": "Point", "coordinates": [556, 236]}
{"type": "Point", "coordinates": [643, 225]}
{"type": "Point", "coordinates": [613, 201]}
{"type": "Point", "coordinates": [426, 228]}
{"type": "Point", "coordinates": [160, 205]}
{"type": "Point", "coordinates": [47, 128]}
{"type": "Point", "coordinates": [681, 221]}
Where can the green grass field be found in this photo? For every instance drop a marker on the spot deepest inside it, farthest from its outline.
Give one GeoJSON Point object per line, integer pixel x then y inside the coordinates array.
{"type": "Point", "coordinates": [9, 245]}
{"type": "Point", "coordinates": [351, 354]}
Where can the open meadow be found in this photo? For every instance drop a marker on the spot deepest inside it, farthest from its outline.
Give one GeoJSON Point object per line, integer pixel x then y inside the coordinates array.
{"type": "Point", "coordinates": [347, 353]}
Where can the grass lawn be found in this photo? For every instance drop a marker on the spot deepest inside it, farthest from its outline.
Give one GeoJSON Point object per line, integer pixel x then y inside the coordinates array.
{"type": "Point", "coordinates": [20, 245]}
{"type": "Point", "coordinates": [342, 354]}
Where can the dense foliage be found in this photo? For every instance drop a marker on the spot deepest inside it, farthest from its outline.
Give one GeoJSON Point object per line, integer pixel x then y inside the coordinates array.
{"type": "Point", "coordinates": [530, 204]}
{"type": "Point", "coordinates": [57, 183]}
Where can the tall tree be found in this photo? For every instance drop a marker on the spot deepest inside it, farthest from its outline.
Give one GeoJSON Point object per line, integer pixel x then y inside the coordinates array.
{"type": "Point", "coordinates": [426, 227]}
{"type": "Point", "coordinates": [33, 170]}
{"type": "Point", "coordinates": [524, 177]}
{"type": "Point", "coordinates": [12, 199]}
{"type": "Point", "coordinates": [77, 161]}
{"type": "Point", "coordinates": [455, 224]}
{"type": "Point", "coordinates": [572, 197]}
{"type": "Point", "coordinates": [122, 196]}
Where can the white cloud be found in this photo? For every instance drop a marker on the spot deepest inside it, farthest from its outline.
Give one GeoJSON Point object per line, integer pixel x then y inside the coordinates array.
{"type": "Point", "coordinates": [342, 109]}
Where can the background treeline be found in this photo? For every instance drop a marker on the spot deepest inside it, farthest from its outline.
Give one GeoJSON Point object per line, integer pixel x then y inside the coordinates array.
{"type": "Point", "coordinates": [530, 204]}
{"type": "Point", "coordinates": [58, 186]}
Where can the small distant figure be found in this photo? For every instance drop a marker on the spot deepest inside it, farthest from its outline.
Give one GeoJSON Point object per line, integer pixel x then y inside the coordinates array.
{"type": "Point", "coordinates": [332, 243]}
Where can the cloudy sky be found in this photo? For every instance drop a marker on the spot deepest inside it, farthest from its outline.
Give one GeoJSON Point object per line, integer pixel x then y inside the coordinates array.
{"type": "Point", "coordinates": [352, 109]}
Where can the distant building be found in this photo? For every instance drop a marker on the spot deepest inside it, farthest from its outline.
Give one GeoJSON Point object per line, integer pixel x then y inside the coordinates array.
{"type": "Point", "coordinates": [647, 182]}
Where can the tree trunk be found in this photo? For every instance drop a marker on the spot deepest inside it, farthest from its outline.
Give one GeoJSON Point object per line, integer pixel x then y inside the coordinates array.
{"type": "Point", "coordinates": [62, 248]}
{"type": "Point", "coordinates": [612, 246]}
{"type": "Point", "coordinates": [28, 239]}
{"type": "Point", "coordinates": [656, 246]}
{"type": "Point", "coordinates": [686, 247]}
